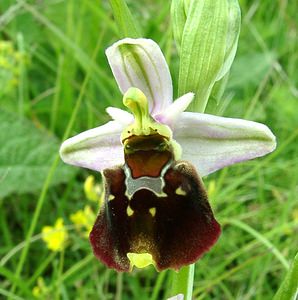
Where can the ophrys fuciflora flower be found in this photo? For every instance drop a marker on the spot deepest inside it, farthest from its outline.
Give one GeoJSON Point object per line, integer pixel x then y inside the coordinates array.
{"type": "Point", "coordinates": [156, 209]}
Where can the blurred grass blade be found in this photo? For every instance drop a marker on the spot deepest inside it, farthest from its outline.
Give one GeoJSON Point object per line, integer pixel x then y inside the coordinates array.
{"type": "Point", "coordinates": [22, 86]}
{"type": "Point", "coordinates": [289, 288]}
{"type": "Point", "coordinates": [7, 16]}
{"type": "Point", "coordinates": [51, 172]}
{"type": "Point", "coordinates": [9, 295]}
{"type": "Point", "coordinates": [178, 13]}
{"type": "Point", "coordinates": [98, 74]}
{"type": "Point", "coordinates": [158, 284]}
{"type": "Point", "coordinates": [6, 274]}
{"type": "Point", "coordinates": [127, 25]}
{"type": "Point", "coordinates": [260, 237]}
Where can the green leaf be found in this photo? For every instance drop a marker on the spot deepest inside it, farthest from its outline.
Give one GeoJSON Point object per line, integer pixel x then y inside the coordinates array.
{"type": "Point", "coordinates": [178, 13]}
{"type": "Point", "coordinates": [219, 88]}
{"type": "Point", "coordinates": [207, 34]}
{"type": "Point", "coordinates": [26, 155]}
{"type": "Point", "coordinates": [289, 288]}
{"type": "Point", "coordinates": [127, 25]}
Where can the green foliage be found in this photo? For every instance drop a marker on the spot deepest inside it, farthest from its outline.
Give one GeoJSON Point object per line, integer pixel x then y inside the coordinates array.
{"type": "Point", "coordinates": [59, 38]}
{"type": "Point", "coordinates": [11, 61]}
{"type": "Point", "coordinates": [289, 288]}
{"type": "Point", "coordinates": [259, 65]}
{"type": "Point", "coordinates": [126, 23]}
{"type": "Point", "coordinates": [26, 156]}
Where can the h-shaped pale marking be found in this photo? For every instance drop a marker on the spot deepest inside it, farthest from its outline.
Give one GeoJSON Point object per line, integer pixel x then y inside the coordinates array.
{"type": "Point", "coordinates": [153, 184]}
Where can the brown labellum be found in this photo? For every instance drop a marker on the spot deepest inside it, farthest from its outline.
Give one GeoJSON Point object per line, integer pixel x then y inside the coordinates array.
{"type": "Point", "coordinates": [153, 204]}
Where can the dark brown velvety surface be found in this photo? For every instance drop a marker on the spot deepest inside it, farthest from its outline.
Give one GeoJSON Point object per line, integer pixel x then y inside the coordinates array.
{"type": "Point", "coordinates": [177, 231]}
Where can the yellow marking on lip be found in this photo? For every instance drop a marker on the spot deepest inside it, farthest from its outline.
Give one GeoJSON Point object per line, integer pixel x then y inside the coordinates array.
{"type": "Point", "coordinates": [111, 197]}
{"type": "Point", "coordinates": [152, 211]}
{"type": "Point", "coordinates": [129, 211]}
{"type": "Point", "coordinates": [180, 191]}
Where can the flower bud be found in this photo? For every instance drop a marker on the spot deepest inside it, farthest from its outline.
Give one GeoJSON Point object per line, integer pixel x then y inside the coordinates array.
{"type": "Point", "coordinates": [206, 33]}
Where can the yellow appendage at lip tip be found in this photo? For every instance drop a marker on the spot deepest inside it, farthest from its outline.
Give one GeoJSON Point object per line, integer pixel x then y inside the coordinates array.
{"type": "Point", "coordinates": [140, 260]}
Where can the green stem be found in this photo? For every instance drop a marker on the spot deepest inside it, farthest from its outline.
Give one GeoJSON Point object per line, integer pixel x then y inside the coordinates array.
{"type": "Point", "coordinates": [59, 275]}
{"type": "Point", "coordinates": [22, 72]}
{"type": "Point", "coordinates": [183, 282]}
{"type": "Point", "coordinates": [119, 286]}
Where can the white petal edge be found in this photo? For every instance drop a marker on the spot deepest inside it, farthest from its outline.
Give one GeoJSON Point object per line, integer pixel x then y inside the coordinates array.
{"type": "Point", "coordinates": [170, 115]}
{"type": "Point", "coordinates": [140, 63]}
{"type": "Point", "coordinates": [211, 142]}
{"type": "Point", "coordinates": [120, 115]}
{"type": "Point", "coordinates": [177, 297]}
{"type": "Point", "coordinates": [96, 149]}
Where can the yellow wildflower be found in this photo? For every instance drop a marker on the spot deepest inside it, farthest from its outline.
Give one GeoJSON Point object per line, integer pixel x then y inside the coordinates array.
{"type": "Point", "coordinates": [92, 190]}
{"type": "Point", "coordinates": [55, 236]}
{"type": "Point", "coordinates": [84, 219]}
{"type": "Point", "coordinates": [36, 292]}
{"type": "Point", "coordinates": [6, 47]}
{"type": "Point", "coordinates": [4, 63]}
{"type": "Point", "coordinates": [40, 289]}
{"type": "Point", "coordinates": [11, 61]}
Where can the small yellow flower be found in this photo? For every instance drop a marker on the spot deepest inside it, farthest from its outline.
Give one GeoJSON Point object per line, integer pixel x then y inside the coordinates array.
{"type": "Point", "coordinates": [55, 236]}
{"type": "Point", "coordinates": [92, 190]}
{"type": "Point", "coordinates": [6, 46]}
{"type": "Point", "coordinates": [36, 292]}
{"type": "Point", "coordinates": [11, 62]}
{"type": "Point", "coordinates": [4, 63]}
{"type": "Point", "coordinates": [40, 289]}
{"type": "Point", "coordinates": [84, 219]}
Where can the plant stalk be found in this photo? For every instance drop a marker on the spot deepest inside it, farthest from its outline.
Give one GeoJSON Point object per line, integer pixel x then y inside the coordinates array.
{"type": "Point", "coordinates": [182, 282]}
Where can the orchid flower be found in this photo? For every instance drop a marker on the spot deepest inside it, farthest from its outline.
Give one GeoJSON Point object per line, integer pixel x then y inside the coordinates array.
{"type": "Point", "coordinates": [156, 209]}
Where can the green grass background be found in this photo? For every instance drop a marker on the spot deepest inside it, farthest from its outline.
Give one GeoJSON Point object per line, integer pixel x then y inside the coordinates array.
{"type": "Point", "coordinates": [65, 82]}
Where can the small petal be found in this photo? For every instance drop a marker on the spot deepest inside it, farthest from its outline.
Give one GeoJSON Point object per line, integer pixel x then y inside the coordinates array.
{"type": "Point", "coordinates": [175, 109]}
{"type": "Point", "coordinates": [177, 297]}
{"type": "Point", "coordinates": [95, 149]}
{"type": "Point", "coordinates": [120, 115]}
{"type": "Point", "coordinates": [140, 63]}
{"type": "Point", "coordinates": [211, 142]}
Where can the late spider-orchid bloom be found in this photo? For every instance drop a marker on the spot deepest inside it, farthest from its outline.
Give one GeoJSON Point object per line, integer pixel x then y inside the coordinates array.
{"type": "Point", "coordinates": [156, 208]}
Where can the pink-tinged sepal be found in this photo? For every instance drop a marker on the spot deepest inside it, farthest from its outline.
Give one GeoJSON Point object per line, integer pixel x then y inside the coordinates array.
{"type": "Point", "coordinates": [176, 226]}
